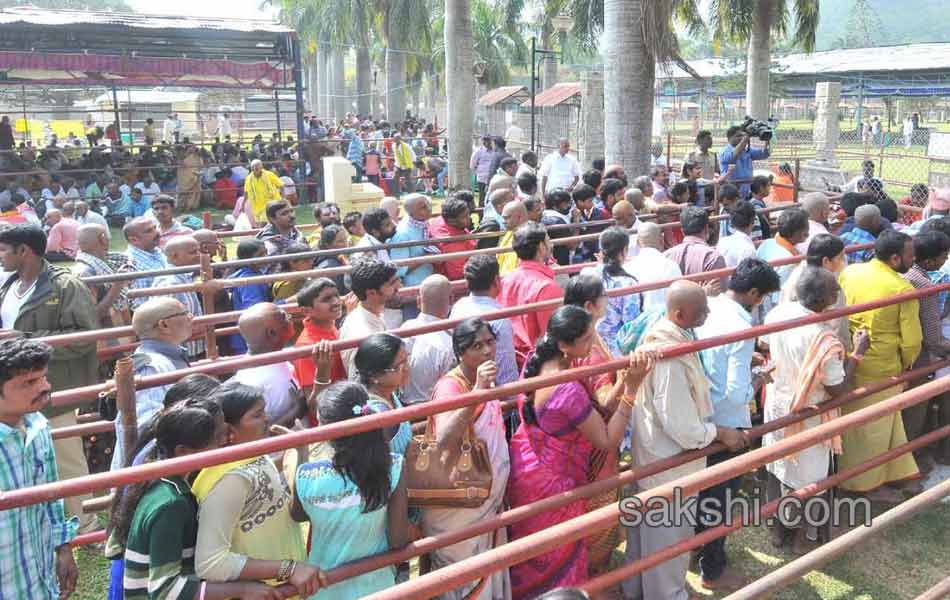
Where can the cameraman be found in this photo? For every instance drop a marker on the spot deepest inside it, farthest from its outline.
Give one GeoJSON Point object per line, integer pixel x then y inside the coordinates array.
{"type": "Point", "coordinates": [737, 152]}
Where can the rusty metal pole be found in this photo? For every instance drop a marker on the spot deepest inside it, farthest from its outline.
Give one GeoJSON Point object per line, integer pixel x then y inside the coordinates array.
{"type": "Point", "coordinates": [941, 591]}
{"type": "Point", "coordinates": [780, 578]}
{"type": "Point", "coordinates": [798, 167]}
{"type": "Point", "coordinates": [125, 403]}
{"type": "Point", "coordinates": [207, 304]}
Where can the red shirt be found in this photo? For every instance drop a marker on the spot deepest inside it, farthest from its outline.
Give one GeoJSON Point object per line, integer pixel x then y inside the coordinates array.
{"type": "Point", "coordinates": [453, 269]}
{"type": "Point", "coordinates": [530, 282]}
{"type": "Point", "coordinates": [225, 193]}
{"type": "Point", "coordinates": [304, 368]}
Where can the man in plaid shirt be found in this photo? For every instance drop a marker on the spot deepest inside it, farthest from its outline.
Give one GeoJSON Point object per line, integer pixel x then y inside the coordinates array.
{"type": "Point", "coordinates": [36, 561]}
{"type": "Point", "coordinates": [867, 224]}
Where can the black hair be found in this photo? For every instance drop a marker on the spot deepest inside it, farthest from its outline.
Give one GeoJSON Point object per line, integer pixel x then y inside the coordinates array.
{"type": "Point", "coordinates": [507, 162]}
{"type": "Point", "coordinates": [567, 324]}
{"type": "Point", "coordinates": [703, 133]}
{"type": "Point", "coordinates": [465, 334]}
{"type": "Point", "coordinates": [374, 218]}
{"type": "Point", "coordinates": [815, 286]}
{"type": "Point", "coordinates": [850, 202]}
{"type": "Point", "coordinates": [733, 130]}
{"type": "Point", "coordinates": [235, 399]}
{"type": "Point", "coordinates": [727, 192]}
{"type": "Point", "coordinates": [888, 209]}
{"type": "Point", "coordinates": [610, 187]}
{"type": "Point", "coordinates": [191, 426]}
{"type": "Point", "coordinates": [598, 164]}
{"type": "Point", "coordinates": [465, 196]}
{"type": "Point", "coordinates": [531, 203]}
{"type": "Point", "coordinates": [248, 248]}
{"type": "Point", "coordinates": [743, 215]}
{"type": "Point", "coordinates": [30, 236]}
{"type": "Point", "coordinates": [352, 218]}
{"type": "Point", "coordinates": [527, 239]}
{"type": "Point", "coordinates": [693, 219]}
{"type": "Point", "coordinates": [583, 289]}
{"type": "Point", "coordinates": [291, 249]}
{"type": "Point", "coordinates": [370, 274]}
{"type": "Point", "coordinates": [616, 172]}
{"type": "Point", "coordinates": [21, 356]}
{"type": "Point", "coordinates": [759, 184]}
{"type": "Point", "coordinates": [614, 241]}
{"type": "Point", "coordinates": [889, 243]}
{"type": "Point", "coordinates": [453, 207]}
{"type": "Point", "coordinates": [375, 355]}
{"type": "Point", "coordinates": [582, 192]}
{"type": "Point", "coordinates": [930, 244]}
{"type": "Point", "coordinates": [328, 235]}
{"type": "Point", "coordinates": [528, 183]}
{"type": "Point", "coordinates": [312, 289]}
{"type": "Point", "coordinates": [754, 274]}
{"type": "Point", "coordinates": [528, 155]}
{"type": "Point", "coordinates": [161, 199]}
{"type": "Point", "coordinates": [274, 207]}
{"type": "Point", "coordinates": [363, 458]}
{"type": "Point", "coordinates": [480, 272]}
{"type": "Point", "coordinates": [941, 224]}
{"type": "Point", "coordinates": [679, 188]}
{"type": "Point", "coordinates": [556, 197]}
{"type": "Point", "coordinates": [792, 221]}
{"type": "Point", "coordinates": [822, 246]}
{"type": "Point", "coordinates": [592, 177]}
{"type": "Point", "coordinates": [196, 385]}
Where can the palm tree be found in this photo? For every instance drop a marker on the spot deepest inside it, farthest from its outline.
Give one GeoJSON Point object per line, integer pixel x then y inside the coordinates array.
{"type": "Point", "coordinates": [756, 21]}
{"type": "Point", "coordinates": [459, 88]}
{"type": "Point", "coordinates": [497, 45]}
{"type": "Point", "coordinates": [404, 30]}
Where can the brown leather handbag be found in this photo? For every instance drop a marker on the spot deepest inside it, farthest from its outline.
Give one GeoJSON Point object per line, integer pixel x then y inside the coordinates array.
{"type": "Point", "coordinates": [458, 476]}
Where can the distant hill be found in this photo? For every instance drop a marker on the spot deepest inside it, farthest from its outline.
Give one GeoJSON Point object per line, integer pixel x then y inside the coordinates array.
{"type": "Point", "coordinates": [903, 21]}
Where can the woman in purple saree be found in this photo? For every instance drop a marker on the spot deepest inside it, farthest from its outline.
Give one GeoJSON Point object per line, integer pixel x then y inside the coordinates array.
{"type": "Point", "coordinates": [550, 451]}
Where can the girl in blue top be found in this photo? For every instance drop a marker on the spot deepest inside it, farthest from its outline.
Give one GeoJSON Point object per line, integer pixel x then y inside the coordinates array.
{"type": "Point", "coordinates": [354, 496]}
{"type": "Point", "coordinates": [383, 366]}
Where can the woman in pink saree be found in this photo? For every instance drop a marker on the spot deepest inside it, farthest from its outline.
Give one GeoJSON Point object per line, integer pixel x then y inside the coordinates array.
{"type": "Point", "coordinates": [551, 450]}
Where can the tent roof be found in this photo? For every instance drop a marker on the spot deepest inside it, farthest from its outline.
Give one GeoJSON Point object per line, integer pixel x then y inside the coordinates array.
{"type": "Point", "coordinates": [559, 93]}
{"type": "Point", "coordinates": [502, 94]}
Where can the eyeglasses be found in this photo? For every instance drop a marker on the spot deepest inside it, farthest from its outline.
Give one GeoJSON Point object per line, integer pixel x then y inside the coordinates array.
{"type": "Point", "coordinates": [177, 314]}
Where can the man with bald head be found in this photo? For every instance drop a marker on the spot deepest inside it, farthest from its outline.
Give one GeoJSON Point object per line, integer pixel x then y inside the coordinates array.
{"type": "Point", "coordinates": [162, 325]}
{"type": "Point", "coordinates": [413, 228]}
{"type": "Point", "coordinates": [61, 242]}
{"type": "Point", "coordinates": [266, 327]}
{"type": "Point", "coordinates": [626, 216]}
{"type": "Point", "coordinates": [817, 206]}
{"type": "Point", "coordinates": [182, 251]}
{"type": "Point", "coordinates": [513, 215]}
{"type": "Point", "coordinates": [672, 415]}
{"type": "Point", "coordinates": [144, 255]}
{"type": "Point", "coordinates": [84, 216]}
{"type": "Point", "coordinates": [867, 226]}
{"type": "Point", "coordinates": [430, 355]}
{"type": "Point", "coordinates": [650, 265]}
{"type": "Point", "coordinates": [94, 259]}
{"type": "Point", "coordinates": [497, 199]}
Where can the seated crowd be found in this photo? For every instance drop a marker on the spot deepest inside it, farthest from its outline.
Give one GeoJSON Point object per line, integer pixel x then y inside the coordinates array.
{"type": "Point", "coordinates": [233, 530]}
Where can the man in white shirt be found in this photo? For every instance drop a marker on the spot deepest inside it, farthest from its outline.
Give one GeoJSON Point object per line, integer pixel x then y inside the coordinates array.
{"type": "Point", "coordinates": [265, 327]}
{"type": "Point", "coordinates": [224, 125]}
{"type": "Point", "coordinates": [150, 189]}
{"type": "Point", "coordinates": [650, 265]}
{"type": "Point", "coordinates": [84, 215]}
{"type": "Point", "coordinates": [528, 164]}
{"type": "Point", "coordinates": [817, 207]}
{"type": "Point", "coordinates": [54, 194]}
{"type": "Point", "coordinates": [430, 355]}
{"type": "Point", "coordinates": [559, 169]}
{"type": "Point", "coordinates": [738, 246]}
{"type": "Point", "coordinates": [374, 283]}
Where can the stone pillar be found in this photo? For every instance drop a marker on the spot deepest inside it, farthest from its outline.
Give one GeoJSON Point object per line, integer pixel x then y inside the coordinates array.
{"type": "Point", "coordinates": [827, 96]}
{"type": "Point", "coordinates": [590, 122]}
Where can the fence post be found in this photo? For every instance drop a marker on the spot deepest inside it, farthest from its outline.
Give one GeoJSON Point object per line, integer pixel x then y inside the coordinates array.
{"type": "Point", "coordinates": [798, 167]}
{"type": "Point", "coordinates": [206, 217]}
{"type": "Point", "coordinates": [125, 403]}
{"type": "Point", "coordinates": [669, 150]}
{"type": "Point", "coordinates": [207, 302]}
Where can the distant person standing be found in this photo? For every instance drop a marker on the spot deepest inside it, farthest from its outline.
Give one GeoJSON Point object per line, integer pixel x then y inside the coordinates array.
{"type": "Point", "coordinates": [6, 134]}
{"type": "Point", "coordinates": [480, 163]}
{"type": "Point", "coordinates": [224, 125]}
{"type": "Point", "coordinates": [559, 169]}
{"type": "Point", "coordinates": [738, 152]}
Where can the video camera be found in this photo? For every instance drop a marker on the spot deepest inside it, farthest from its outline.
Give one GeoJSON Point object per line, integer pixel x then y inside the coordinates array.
{"type": "Point", "coordinates": [759, 129]}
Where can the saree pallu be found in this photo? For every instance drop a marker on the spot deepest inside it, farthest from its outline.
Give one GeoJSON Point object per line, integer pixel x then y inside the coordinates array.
{"type": "Point", "coordinates": [549, 458]}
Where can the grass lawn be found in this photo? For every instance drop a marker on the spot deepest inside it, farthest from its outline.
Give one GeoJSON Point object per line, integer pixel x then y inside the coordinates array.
{"type": "Point", "coordinates": [899, 564]}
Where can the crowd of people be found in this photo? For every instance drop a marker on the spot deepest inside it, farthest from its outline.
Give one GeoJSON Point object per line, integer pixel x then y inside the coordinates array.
{"type": "Point", "coordinates": [229, 531]}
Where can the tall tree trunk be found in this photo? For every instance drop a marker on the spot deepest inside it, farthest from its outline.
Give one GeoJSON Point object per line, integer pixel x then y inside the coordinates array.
{"type": "Point", "coordinates": [548, 64]}
{"type": "Point", "coordinates": [339, 85]}
{"type": "Point", "coordinates": [433, 98]}
{"type": "Point", "coordinates": [459, 88]}
{"type": "Point", "coordinates": [364, 81]}
{"type": "Point", "coordinates": [395, 83]}
{"type": "Point", "coordinates": [628, 87]}
{"type": "Point", "coordinates": [322, 82]}
{"type": "Point", "coordinates": [759, 58]}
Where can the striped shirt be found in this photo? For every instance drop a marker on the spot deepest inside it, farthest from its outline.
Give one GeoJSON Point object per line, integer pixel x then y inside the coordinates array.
{"type": "Point", "coordinates": [30, 534]}
{"type": "Point", "coordinates": [192, 302]}
{"type": "Point", "coordinates": [145, 261]}
{"type": "Point", "coordinates": [160, 551]}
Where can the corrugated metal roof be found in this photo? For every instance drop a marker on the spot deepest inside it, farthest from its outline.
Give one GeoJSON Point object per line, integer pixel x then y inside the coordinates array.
{"type": "Point", "coordinates": [554, 95]}
{"type": "Point", "coordinates": [37, 16]}
{"type": "Point", "coordinates": [500, 94]}
{"type": "Point", "coordinates": [907, 57]}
